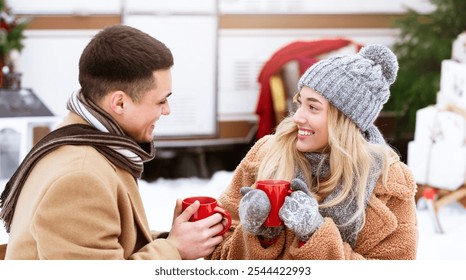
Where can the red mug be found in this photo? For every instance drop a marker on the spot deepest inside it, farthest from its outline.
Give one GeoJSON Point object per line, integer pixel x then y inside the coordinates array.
{"type": "Point", "coordinates": [208, 206]}
{"type": "Point", "coordinates": [276, 191]}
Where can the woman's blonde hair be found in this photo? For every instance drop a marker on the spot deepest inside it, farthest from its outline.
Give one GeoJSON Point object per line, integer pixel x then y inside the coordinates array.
{"type": "Point", "coordinates": [350, 156]}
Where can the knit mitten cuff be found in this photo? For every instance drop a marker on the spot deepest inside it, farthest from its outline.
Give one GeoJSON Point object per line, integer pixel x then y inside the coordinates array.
{"type": "Point", "coordinates": [318, 221]}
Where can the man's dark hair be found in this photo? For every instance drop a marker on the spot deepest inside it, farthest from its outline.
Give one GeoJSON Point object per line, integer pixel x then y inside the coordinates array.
{"type": "Point", "coordinates": [121, 58]}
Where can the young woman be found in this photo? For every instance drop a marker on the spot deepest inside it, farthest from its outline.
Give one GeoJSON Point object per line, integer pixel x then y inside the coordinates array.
{"type": "Point", "coordinates": [352, 196]}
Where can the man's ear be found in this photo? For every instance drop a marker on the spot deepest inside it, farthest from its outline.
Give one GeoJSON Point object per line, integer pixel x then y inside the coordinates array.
{"type": "Point", "coordinates": [117, 102]}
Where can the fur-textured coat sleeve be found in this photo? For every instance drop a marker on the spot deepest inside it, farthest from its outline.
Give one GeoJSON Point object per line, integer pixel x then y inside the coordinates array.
{"type": "Point", "coordinates": [390, 231]}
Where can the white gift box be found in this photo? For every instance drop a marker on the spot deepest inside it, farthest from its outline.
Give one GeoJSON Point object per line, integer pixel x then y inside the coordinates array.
{"type": "Point", "coordinates": [444, 100]}
{"type": "Point", "coordinates": [440, 126]}
{"type": "Point", "coordinates": [418, 159]}
{"type": "Point", "coordinates": [438, 165]}
{"type": "Point", "coordinates": [453, 83]}
{"type": "Point", "coordinates": [458, 52]}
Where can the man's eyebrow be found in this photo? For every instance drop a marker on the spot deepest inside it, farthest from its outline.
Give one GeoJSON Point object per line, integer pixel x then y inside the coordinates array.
{"type": "Point", "coordinates": [163, 99]}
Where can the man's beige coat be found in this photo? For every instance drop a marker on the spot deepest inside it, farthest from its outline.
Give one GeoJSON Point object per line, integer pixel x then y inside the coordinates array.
{"type": "Point", "coordinates": [78, 205]}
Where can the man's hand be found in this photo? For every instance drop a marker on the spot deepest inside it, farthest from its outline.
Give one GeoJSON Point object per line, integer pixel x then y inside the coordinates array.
{"type": "Point", "coordinates": [198, 239]}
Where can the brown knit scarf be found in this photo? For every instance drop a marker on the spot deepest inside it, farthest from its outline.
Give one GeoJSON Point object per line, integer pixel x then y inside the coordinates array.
{"type": "Point", "coordinates": [118, 148]}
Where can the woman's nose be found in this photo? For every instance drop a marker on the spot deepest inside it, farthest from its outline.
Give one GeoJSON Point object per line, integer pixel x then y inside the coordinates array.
{"type": "Point", "coordinates": [297, 117]}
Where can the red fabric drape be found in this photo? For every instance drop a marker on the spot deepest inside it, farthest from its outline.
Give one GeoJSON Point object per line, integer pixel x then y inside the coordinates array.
{"type": "Point", "coordinates": [272, 66]}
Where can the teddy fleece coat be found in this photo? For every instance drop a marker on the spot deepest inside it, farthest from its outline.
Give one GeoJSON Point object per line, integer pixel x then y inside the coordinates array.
{"type": "Point", "coordinates": [76, 204]}
{"type": "Point", "coordinates": [390, 231]}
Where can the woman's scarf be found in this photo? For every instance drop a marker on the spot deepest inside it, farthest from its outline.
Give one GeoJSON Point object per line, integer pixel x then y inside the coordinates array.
{"type": "Point", "coordinates": [344, 211]}
{"type": "Point", "coordinates": [103, 133]}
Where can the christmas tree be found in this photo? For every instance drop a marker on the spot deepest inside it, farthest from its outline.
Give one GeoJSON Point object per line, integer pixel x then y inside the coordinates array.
{"type": "Point", "coordinates": [11, 30]}
{"type": "Point", "coordinates": [423, 42]}
{"type": "Point", "coordinates": [11, 39]}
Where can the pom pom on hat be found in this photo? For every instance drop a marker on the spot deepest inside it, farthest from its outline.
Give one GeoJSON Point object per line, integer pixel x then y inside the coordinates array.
{"type": "Point", "coordinates": [358, 85]}
{"type": "Point", "coordinates": [384, 57]}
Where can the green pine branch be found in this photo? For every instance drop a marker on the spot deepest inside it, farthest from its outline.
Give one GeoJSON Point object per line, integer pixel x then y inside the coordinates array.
{"type": "Point", "coordinates": [13, 38]}
{"type": "Point", "coordinates": [423, 43]}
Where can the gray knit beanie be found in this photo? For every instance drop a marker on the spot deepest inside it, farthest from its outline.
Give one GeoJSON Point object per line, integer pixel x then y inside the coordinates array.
{"type": "Point", "coordinates": [358, 85]}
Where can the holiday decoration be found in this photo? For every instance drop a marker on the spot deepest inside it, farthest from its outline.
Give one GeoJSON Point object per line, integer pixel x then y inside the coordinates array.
{"type": "Point", "coordinates": [11, 37]}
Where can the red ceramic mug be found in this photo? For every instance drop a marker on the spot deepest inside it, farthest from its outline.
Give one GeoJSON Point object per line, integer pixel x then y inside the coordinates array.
{"type": "Point", "coordinates": [276, 191]}
{"type": "Point", "coordinates": [208, 206]}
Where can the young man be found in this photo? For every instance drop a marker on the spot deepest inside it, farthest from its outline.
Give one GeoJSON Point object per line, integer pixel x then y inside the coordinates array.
{"type": "Point", "coordinates": [75, 196]}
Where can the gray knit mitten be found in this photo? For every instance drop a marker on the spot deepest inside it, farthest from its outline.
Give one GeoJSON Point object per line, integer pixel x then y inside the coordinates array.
{"type": "Point", "coordinates": [300, 212]}
{"type": "Point", "coordinates": [254, 208]}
